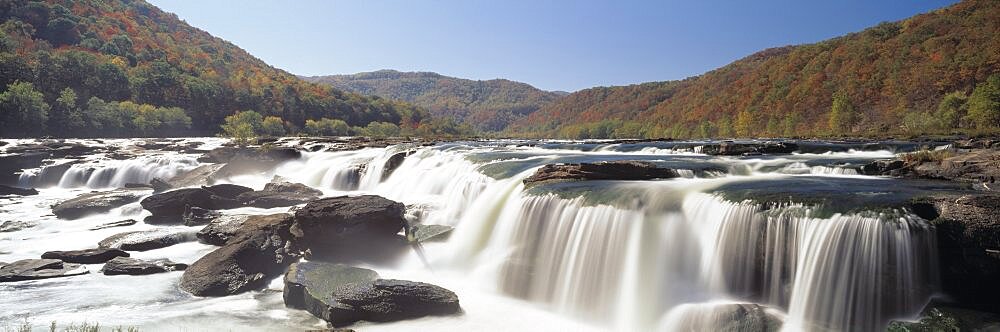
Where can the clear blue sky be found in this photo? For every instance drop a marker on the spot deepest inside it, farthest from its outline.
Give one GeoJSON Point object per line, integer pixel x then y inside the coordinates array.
{"type": "Point", "coordinates": [554, 45]}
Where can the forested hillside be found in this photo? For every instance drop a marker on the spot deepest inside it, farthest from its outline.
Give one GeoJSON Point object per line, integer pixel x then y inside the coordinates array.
{"type": "Point", "coordinates": [931, 73]}
{"type": "Point", "coordinates": [486, 105]}
{"type": "Point", "coordinates": [124, 67]}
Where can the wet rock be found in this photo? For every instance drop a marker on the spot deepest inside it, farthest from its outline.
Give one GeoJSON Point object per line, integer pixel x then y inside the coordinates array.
{"type": "Point", "coordinates": [120, 223]}
{"type": "Point", "coordinates": [227, 190]}
{"type": "Point", "coordinates": [968, 239]}
{"type": "Point", "coordinates": [611, 170]}
{"type": "Point", "coordinates": [195, 216]}
{"type": "Point", "coordinates": [393, 163]}
{"type": "Point", "coordinates": [159, 185]}
{"type": "Point", "coordinates": [973, 166]}
{"type": "Point", "coordinates": [97, 202]}
{"type": "Point", "coordinates": [221, 229]}
{"type": "Point", "coordinates": [12, 165]}
{"type": "Point", "coordinates": [278, 194]}
{"type": "Point", "coordinates": [146, 240]}
{"type": "Point", "coordinates": [940, 317]}
{"type": "Point", "coordinates": [86, 256]}
{"type": "Point", "coordinates": [174, 202]}
{"type": "Point", "coordinates": [881, 167]}
{"type": "Point", "coordinates": [257, 253]}
{"type": "Point", "coordinates": [731, 317]}
{"type": "Point", "coordinates": [15, 191]}
{"type": "Point", "coordinates": [31, 269]}
{"type": "Point", "coordinates": [132, 266]}
{"type": "Point", "coordinates": [242, 160]}
{"type": "Point", "coordinates": [15, 225]}
{"type": "Point", "coordinates": [349, 227]}
{"type": "Point", "coordinates": [427, 233]}
{"type": "Point", "coordinates": [386, 300]}
{"type": "Point", "coordinates": [748, 148]}
{"type": "Point", "coordinates": [309, 286]}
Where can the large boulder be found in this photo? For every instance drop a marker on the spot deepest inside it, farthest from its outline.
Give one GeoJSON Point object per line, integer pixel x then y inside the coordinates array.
{"type": "Point", "coordinates": [350, 227]}
{"type": "Point", "coordinates": [146, 240]}
{"type": "Point", "coordinates": [310, 285]}
{"type": "Point", "coordinates": [386, 300]}
{"type": "Point", "coordinates": [31, 269]}
{"type": "Point", "coordinates": [610, 170]}
{"type": "Point", "coordinates": [97, 202]}
{"type": "Point", "coordinates": [132, 266]}
{"type": "Point", "coordinates": [86, 256]}
{"type": "Point", "coordinates": [258, 252]}
{"type": "Point", "coordinates": [279, 194]}
{"type": "Point", "coordinates": [393, 163]}
{"type": "Point", "coordinates": [174, 202]}
{"type": "Point", "coordinates": [15, 191]}
{"type": "Point", "coordinates": [222, 229]}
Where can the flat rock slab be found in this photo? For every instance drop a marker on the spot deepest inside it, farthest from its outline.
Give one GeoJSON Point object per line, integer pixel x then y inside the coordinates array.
{"type": "Point", "coordinates": [146, 240]}
{"type": "Point", "coordinates": [97, 202]}
{"type": "Point", "coordinates": [386, 300]}
{"type": "Point", "coordinates": [32, 269]}
{"type": "Point", "coordinates": [223, 228]}
{"type": "Point", "coordinates": [132, 266]}
{"type": "Point", "coordinates": [748, 148]}
{"type": "Point", "coordinates": [86, 256]}
{"type": "Point", "coordinates": [309, 286]}
{"type": "Point", "coordinates": [609, 170]}
{"type": "Point", "coordinates": [15, 191]}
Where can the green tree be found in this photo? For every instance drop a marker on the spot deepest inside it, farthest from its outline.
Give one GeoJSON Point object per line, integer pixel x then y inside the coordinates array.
{"type": "Point", "coordinates": [23, 110]}
{"type": "Point", "coordinates": [382, 129]}
{"type": "Point", "coordinates": [243, 127]}
{"type": "Point", "coordinates": [66, 118]}
{"type": "Point", "coordinates": [725, 128]}
{"type": "Point", "coordinates": [789, 124]}
{"type": "Point", "coordinates": [984, 104]}
{"type": "Point", "coordinates": [950, 110]}
{"type": "Point", "coordinates": [327, 127]}
{"type": "Point", "coordinates": [772, 127]}
{"type": "Point", "coordinates": [744, 124]}
{"type": "Point", "coordinates": [842, 115]}
{"type": "Point", "coordinates": [273, 126]}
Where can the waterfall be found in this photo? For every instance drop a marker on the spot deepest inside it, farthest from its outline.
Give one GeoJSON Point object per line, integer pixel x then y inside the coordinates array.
{"type": "Point", "coordinates": [107, 173]}
{"type": "Point", "coordinates": [636, 266]}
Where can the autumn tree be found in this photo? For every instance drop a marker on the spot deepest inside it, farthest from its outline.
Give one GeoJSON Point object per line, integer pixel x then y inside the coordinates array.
{"type": "Point", "coordinates": [950, 110]}
{"type": "Point", "coordinates": [273, 126]}
{"type": "Point", "coordinates": [744, 123]}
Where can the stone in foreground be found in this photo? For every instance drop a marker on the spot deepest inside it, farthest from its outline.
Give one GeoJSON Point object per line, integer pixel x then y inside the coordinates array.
{"type": "Point", "coordinates": [309, 285]}
{"type": "Point", "coordinates": [257, 253]}
{"type": "Point", "coordinates": [32, 269]}
{"type": "Point", "coordinates": [609, 170]}
{"type": "Point", "coordinates": [350, 228]}
{"type": "Point", "coordinates": [387, 300]}
{"type": "Point", "coordinates": [132, 266]}
{"type": "Point", "coordinates": [86, 256]}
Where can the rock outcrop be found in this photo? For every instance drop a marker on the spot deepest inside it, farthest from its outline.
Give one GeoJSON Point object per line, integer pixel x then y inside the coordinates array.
{"type": "Point", "coordinates": [221, 229]}
{"type": "Point", "coordinates": [86, 256]}
{"type": "Point", "coordinates": [173, 203]}
{"type": "Point", "coordinates": [97, 202]}
{"type": "Point", "coordinates": [31, 269]}
{"type": "Point", "coordinates": [350, 228]}
{"type": "Point", "coordinates": [15, 191]}
{"type": "Point", "coordinates": [279, 194]}
{"type": "Point", "coordinates": [611, 170]}
{"type": "Point", "coordinates": [748, 148]}
{"type": "Point", "coordinates": [257, 253]}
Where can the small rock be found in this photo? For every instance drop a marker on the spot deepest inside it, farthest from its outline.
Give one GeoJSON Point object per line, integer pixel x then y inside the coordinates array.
{"type": "Point", "coordinates": [427, 233]}
{"type": "Point", "coordinates": [86, 256]}
{"type": "Point", "coordinates": [610, 170]}
{"type": "Point", "coordinates": [121, 223]}
{"type": "Point", "coordinates": [146, 240]}
{"type": "Point", "coordinates": [290, 187]}
{"type": "Point", "coordinates": [15, 225]}
{"type": "Point", "coordinates": [159, 185]}
{"type": "Point", "coordinates": [195, 216]}
{"type": "Point", "coordinates": [132, 266]}
{"type": "Point", "coordinates": [31, 269]}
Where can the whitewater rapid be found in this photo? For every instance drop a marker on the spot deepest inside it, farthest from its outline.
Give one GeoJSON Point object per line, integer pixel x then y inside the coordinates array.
{"type": "Point", "coordinates": [665, 255]}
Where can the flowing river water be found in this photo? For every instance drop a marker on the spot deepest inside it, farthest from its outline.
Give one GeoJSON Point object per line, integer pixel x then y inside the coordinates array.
{"type": "Point", "coordinates": [795, 241]}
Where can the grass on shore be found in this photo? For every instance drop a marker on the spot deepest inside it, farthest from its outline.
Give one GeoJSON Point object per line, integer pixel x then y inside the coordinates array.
{"type": "Point", "coordinates": [924, 156]}
{"type": "Point", "coordinates": [85, 326]}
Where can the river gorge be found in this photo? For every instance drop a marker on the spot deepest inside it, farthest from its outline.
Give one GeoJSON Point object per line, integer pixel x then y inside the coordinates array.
{"type": "Point", "coordinates": [738, 236]}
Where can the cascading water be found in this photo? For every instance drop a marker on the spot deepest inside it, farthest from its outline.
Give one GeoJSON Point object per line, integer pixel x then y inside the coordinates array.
{"type": "Point", "coordinates": [663, 255]}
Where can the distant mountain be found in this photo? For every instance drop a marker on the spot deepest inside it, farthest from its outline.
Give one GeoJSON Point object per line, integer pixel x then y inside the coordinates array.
{"type": "Point", "coordinates": [87, 67]}
{"type": "Point", "coordinates": [486, 105]}
{"type": "Point", "coordinates": [891, 78]}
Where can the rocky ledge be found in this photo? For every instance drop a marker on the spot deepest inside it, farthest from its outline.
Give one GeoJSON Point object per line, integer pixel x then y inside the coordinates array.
{"type": "Point", "coordinates": [97, 202]}
{"type": "Point", "coordinates": [32, 269]}
{"type": "Point", "coordinates": [610, 170]}
{"type": "Point", "coordinates": [748, 148]}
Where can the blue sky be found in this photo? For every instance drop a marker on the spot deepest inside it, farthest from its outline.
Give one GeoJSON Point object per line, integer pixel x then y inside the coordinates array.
{"type": "Point", "coordinates": [554, 45]}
